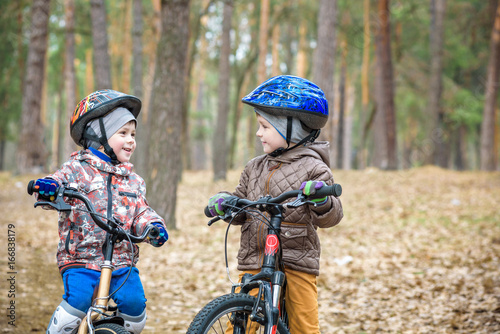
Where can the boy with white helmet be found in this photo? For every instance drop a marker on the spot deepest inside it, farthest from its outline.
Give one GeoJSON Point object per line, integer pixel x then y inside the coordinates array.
{"type": "Point", "coordinates": [104, 123]}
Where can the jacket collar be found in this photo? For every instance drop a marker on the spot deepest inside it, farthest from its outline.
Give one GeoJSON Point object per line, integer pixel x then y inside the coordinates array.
{"type": "Point", "coordinates": [122, 169]}
{"type": "Point", "coordinates": [319, 150]}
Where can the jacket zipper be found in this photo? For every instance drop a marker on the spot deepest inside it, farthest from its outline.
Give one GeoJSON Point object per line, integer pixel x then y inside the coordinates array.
{"type": "Point", "coordinates": [274, 169]}
{"type": "Point", "coordinates": [110, 197]}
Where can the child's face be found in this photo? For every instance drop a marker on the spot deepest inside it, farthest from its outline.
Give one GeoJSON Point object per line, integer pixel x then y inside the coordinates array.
{"type": "Point", "coordinates": [269, 136]}
{"type": "Point", "coordinates": [123, 142]}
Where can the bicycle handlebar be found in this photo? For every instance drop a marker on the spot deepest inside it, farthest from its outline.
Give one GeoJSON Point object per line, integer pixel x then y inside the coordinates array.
{"type": "Point", "coordinates": [58, 204]}
{"type": "Point", "coordinates": [333, 190]}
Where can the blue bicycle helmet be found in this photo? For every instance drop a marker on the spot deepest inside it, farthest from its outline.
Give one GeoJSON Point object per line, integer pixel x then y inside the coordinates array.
{"type": "Point", "coordinates": [292, 97]}
{"type": "Point", "coordinates": [287, 95]}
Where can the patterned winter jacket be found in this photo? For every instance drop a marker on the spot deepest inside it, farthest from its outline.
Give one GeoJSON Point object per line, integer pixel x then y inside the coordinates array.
{"type": "Point", "coordinates": [113, 190]}
{"type": "Point", "coordinates": [266, 175]}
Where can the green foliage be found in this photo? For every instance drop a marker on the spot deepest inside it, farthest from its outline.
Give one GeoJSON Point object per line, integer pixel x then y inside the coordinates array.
{"type": "Point", "coordinates": [13, 50]}
{"type": "Point", "coordinates": [464, 108]}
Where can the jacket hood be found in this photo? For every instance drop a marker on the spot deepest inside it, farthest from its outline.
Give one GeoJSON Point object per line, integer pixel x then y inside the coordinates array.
{"type": "Point", "coordinates": [319, 150]}
{"type": "Point", "coordinates": [123, 169]}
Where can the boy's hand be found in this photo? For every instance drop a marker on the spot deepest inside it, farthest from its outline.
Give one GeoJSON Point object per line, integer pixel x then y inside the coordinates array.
{"type": "Point", "coordinates": [162, 237]}
{"type": "Point", "coordinates": [46, 188]}
{"type": "Point", "coordinates": [215, 204]}
{"type": "Point", "coordinates": [309, 188]}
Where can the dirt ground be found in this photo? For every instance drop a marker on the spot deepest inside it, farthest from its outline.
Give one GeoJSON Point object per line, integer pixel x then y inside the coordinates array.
{"type": "Point", "coordinates": [418, 251]}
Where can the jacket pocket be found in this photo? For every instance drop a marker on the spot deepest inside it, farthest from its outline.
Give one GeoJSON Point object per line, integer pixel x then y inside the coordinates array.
{"type": "Point", "coordinates": [294, 239]}
{"type": "Point", "coordinates": [72, 240]}
{"type": "Point", "coordinates": [128, 194]}
{"type": "Point", "coordinates": [250, 243]}
{"type": "Point", "coordinates": [127, 200]}
{"type": "Point", "coordinates": [244, 240]}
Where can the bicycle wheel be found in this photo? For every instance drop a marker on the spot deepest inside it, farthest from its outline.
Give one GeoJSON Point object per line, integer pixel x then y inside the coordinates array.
{"type": "Point", "coordinates": [110, 329]}
{"type": "Point", "coordinates": [231, 310]}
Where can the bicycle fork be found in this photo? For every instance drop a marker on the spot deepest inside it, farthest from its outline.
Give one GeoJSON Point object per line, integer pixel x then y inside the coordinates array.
{"type": "Point", "coordinates": [274, 290]}
{"type": "Point", "coordinates": [101, 299]}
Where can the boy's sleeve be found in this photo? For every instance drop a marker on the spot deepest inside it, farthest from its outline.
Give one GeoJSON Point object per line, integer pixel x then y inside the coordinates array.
{"type": "Point", "coordinates": [146, 215]}
{"type": "Point", "coordinates": [330, 213]}
{"type": "Point", "coordinates": [63, 175]}
{"type": "Point", "coordinates": [241, 192]}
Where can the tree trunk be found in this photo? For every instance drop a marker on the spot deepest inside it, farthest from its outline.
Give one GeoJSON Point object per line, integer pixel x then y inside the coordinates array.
{"type": "Point", "coordinates": [289, 38]}
{"type": "Point", "coordinates": [324, 66]}
{"type": "Point", "coordinates": [125, 37]}
{"type": "Point", "coordinates": [166, 112]}
{"type": "Point", "coordinates": [263, 28]}
{"type": "Point", "coordinates": [191, 83]}
{"type": "Point", "coordinates": [436, 116]}
{"type": "Point", "coordinates": [342, 91]}
{"type": "Point", "coordinates": [349, 107]}
{"type": "Point", "coordinates": [220, 147]}
{"type": "Point", "coordinates": [137, 49]}
{"type": "Point", "coordinates": [102, 63]}
{"type": "Point", "coordinates": [461, 148]}
{"type": "Point", "coordinates": [275, 69]}
{"type": "Point", "coordinates": [242, 82]}
{"type": "Point", "coordinates": [199, 149]}
{"type": "Point", "coordinates": [144, 123]}
{"type": "Point", "coordinates": [137, 86]}
{"type": "Point", "coordinates": [89, 73]}
{"type": "Point", "coordinates": [386, 83]}
{"type": "Point", "coordinates": [365, 94]}
{"type": "Point", "coordinates": [488, 155]}
{"type": "Point", "coordinates": [68, 145]}
{"type": "Point", "coordinates": [32, 152]}
{"type": "Point", "coordinates": [379, 151]}
{"type": "Point", "coordinates": [301, 52]}
{"type": "Point", "coordinates": [255, 144]}
{"type": "Point", "coordinates": [240, 93]}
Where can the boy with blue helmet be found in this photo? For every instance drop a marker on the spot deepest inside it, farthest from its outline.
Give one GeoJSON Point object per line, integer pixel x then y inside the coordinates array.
{"type": "Point", "coordinates": [290, 111]}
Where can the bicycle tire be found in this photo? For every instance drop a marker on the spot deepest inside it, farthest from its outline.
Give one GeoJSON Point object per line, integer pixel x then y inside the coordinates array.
{"type": "Point", "coordinates": [110, 328]}
{"type": "Point", "coordinates": [213, 318]}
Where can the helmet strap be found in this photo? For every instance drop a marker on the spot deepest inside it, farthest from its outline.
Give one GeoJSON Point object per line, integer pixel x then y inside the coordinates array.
{"type": "Point", "coordinates": [104, 142]}
{"type": "Point", "coordinates": [310, 138]}
{"type": "Point", "coordinates": [289, 120]}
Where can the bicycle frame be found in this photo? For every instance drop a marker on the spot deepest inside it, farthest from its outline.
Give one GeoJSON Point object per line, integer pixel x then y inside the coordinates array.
{"type": "Point", "coordinates": [271, 280]}
{"type": "Point", "coordinates": [102, 298]}
{"type": "Point", "coordinates": [273, 293]}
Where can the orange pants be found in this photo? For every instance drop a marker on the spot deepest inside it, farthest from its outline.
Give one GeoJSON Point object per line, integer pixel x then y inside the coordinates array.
{"type": "Point", "coordinates": [301, 301]}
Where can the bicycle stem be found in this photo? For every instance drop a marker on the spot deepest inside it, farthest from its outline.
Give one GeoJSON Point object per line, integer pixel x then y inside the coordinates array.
{"type": "Point", "coordinates": [272, 243]}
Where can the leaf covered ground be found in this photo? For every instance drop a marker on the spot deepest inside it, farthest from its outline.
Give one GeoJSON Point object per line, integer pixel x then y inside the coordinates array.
{"type": "Point", "coordinates": [418, 251]}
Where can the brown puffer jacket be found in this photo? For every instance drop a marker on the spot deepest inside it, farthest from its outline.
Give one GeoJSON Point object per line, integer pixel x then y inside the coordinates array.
{"type": "Point", "coordinates": [266, 175]}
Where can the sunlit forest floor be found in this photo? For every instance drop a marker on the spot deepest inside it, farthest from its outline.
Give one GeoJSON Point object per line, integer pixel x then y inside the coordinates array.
{"type": "Point", "coordinates": [418, 251]}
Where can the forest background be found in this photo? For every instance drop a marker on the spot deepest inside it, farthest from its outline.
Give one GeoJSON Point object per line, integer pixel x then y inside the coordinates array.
{"type": "Point", "coordinates": [408, 82]}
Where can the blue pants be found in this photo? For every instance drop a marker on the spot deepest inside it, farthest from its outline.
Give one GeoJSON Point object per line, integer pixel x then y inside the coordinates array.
{"type": "Point", "coordinates": [79, 285]}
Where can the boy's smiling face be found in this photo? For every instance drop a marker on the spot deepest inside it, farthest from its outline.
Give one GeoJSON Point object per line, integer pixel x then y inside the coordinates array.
{"type": "Point", "coordinates": [269, 136]}
{"type": "Point", "coordinates": [123, 142]}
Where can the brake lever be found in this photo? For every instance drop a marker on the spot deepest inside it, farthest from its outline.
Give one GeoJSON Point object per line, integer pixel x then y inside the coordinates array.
{"type": "Point", "coordinates": [213, 220]}
{"type": "Point", "coordinates": [217, 218]}
{"type": "Point", "coordinates": [299, 201]}
{"type": "Point", "coordinates": [57, 204]}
